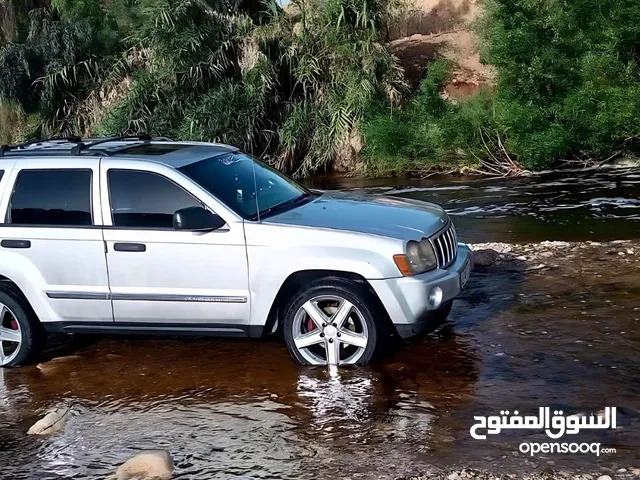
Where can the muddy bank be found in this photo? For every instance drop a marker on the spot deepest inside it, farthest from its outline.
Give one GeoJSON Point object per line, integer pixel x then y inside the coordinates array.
{"type": "Point", "coordinates": [551, 254]}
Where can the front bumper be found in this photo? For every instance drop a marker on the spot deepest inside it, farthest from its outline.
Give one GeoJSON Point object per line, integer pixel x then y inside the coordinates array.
{"type": "Point", "coordinates": [407, 298]}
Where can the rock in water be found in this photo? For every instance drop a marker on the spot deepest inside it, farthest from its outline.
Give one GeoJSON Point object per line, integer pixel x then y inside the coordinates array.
{"type": "Point", "coordinates": [54, 364]}
{"type": "Point", "coordinates": [155, 464]}
{"type": "Point", "coordinates": [484, 258]}
{"type": "Point", "coordinates": [52, 422]}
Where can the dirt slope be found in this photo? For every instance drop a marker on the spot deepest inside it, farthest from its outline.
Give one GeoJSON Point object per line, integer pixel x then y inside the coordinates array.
{"type": "Point", "coordinates": [433, 28]}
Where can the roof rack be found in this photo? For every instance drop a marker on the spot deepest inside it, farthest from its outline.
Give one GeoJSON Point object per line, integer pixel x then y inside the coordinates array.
{"type": "Point", "coordinates": [81, 145]}
{"type": "Point", "coordinates": [17, 146]}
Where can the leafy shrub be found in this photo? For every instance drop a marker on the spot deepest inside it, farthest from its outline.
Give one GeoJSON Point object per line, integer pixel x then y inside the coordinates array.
{"type": "Point", "coordinates": [429, 130]}
{"type": "Point", "coordinates": [568, 76]}
{"type": "Point", "coordinates": [299, 87]}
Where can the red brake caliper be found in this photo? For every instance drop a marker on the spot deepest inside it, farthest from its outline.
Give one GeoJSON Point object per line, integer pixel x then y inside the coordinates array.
{"type": "Point", "coordinates": [310, 324]}
{"type": "Point", "coordinates": [14, 324]}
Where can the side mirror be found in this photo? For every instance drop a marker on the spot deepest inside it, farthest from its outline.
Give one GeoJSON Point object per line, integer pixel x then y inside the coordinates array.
{"type": "Point", "coordinates": [196, 218]}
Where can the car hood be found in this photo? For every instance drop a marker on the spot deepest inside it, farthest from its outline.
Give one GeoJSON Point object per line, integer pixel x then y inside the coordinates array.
{"type": "Point", "coordinates": [400, 218]}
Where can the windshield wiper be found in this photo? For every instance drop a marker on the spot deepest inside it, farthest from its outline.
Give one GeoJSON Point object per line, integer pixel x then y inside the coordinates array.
{"type": "Point", "coordinates": [282, 206]}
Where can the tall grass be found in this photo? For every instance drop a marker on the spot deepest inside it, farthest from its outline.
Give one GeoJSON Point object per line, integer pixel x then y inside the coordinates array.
{"type": "Point", "coordinates": [307, 87]}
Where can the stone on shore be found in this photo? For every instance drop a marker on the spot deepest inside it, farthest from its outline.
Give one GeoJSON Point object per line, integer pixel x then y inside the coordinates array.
{"type": "Point", "coordinates": [626, 162]}
{"type": "Point", "coordinates": [154, 464]}
{"type": "Point", "coordinates": [52, 422]}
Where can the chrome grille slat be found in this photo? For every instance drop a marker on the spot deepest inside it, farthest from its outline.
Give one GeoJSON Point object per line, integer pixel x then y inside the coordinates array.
{"type": "Point", "coordinates": [445, 240]}
{"type": "Point", "coordinates": [437, 251]}
{"type": "Point", "coordinates": [452, 243]}
{"type": "Point", "coordinates": [442, 250]}
{"type": "Point", "coordinates": [445, 244]}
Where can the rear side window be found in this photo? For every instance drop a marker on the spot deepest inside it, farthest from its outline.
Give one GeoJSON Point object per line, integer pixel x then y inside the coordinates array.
{"type": "Point", "coordinates": [146, 199]}
{"type": "Point", "coordinates": [51, 197]}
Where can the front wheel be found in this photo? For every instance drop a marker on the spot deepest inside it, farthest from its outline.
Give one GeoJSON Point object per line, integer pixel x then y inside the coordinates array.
{"type": "Point", "coordinates": [331, 322]}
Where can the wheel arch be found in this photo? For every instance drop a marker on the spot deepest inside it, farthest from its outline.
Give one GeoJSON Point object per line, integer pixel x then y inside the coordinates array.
{"type": "Point", "coordinates": [294, 282]}
{"type": "Point", "coordinates": [8, 285]}
{"type": "Point", "coordinates": [20, 277]}
{"type": "Point", "coordinates": [12, 287]}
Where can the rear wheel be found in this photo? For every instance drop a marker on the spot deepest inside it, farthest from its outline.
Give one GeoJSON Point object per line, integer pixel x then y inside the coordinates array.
{"type": "Point", "coordinates": [22, 338]}
{"type": "Point", "coordinates": [331, 322]}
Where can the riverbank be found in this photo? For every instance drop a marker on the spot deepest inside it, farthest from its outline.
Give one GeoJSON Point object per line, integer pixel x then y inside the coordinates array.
{"type": "Point", "coordinates": [622, 473]}
{"type": "Point", "coordinates": [381, 169]}
{"type": "Point", "coordinates": [552, 254]}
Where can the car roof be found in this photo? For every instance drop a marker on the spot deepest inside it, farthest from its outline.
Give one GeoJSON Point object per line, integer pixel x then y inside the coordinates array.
{"type": "Point", "coordinates": [175, 154]}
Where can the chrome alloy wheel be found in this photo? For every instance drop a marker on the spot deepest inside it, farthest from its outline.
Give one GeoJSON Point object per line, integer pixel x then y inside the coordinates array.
{"type": "Point", "coordinates": [10, 335]}
{"type": "Point", "coordinates": [330, 330]}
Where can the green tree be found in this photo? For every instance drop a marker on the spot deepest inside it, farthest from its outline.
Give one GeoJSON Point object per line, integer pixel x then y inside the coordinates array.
{"type": "Point", "coordinates": [568, 76]}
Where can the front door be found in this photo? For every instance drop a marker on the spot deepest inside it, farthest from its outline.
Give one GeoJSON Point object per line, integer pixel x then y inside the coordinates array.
{"type": "Point", "coordinates": [163, 276]}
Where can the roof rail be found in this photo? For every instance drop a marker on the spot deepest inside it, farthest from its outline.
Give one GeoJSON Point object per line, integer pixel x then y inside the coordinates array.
{"type": "Point", "coordinates": [7, 148]}
{"type": "Point", "coordinates": [145, 137]}
{"type": "Point", "coordinates": [81, 145]}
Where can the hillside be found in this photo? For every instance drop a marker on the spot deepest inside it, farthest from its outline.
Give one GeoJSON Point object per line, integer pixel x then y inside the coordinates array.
{"type": "Point", "coordinates": [442, 28]}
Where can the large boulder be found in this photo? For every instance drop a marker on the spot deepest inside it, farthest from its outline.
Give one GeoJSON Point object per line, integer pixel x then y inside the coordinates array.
{"type": "Point", "coordinates": [153, 464]}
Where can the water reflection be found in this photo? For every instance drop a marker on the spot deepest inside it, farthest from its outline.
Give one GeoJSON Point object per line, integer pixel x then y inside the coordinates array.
{"type": "Point", "coordinates": [221, 408]}
{"type": "Point", "coordinates": [344, 398]}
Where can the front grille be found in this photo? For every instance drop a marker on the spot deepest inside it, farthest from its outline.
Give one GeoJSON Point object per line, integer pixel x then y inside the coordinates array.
{"type": "Point", "coordinates": [445, 244]}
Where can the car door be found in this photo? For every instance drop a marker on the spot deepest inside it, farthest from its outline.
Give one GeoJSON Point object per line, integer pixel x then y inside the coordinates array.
{"type": "Point", "coordinates": [185, 279]}
{"type": "Point", "coordinates": [52, 237]}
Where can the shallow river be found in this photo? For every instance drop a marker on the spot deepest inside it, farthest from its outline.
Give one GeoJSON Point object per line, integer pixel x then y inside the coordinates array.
{"type": "Point", "coordinates": [588, 206]}
{"type": "Point", "coordinates": [567, 338]}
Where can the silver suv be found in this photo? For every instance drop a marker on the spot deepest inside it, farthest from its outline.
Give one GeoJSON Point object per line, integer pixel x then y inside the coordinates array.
{"type": "Point", "coordinates": [137, 235]}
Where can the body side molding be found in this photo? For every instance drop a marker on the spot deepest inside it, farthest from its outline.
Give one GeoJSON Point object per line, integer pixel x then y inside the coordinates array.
{"type": "Point", "coordinates": [161, 297]}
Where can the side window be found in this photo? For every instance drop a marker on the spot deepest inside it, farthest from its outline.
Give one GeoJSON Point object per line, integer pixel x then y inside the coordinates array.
{"type": "Point", "coordinates": [51, 197]}
{"type": "Point", "coordinates": [146, 199]}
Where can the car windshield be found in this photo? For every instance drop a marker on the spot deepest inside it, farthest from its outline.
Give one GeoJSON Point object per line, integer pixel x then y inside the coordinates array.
{"type": "Point", "coordinates": [233, 177]}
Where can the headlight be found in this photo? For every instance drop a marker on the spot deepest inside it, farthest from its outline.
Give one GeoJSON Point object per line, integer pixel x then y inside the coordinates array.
{"type": "Point", "coordinates": [419, 258]}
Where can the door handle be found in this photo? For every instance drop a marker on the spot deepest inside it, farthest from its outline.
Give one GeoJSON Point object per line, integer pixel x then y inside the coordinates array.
{"type": "Point", "coordinates": [129, 247]}
{"type": "Point", "coordinates": [15, 243]}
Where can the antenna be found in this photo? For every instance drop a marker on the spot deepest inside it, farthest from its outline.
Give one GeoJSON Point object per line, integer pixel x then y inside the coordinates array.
{"type": "Point", "coordinates": [255, 184]}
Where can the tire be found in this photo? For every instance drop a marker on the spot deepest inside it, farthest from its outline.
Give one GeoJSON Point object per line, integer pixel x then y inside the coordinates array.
{"type": "Point", "coordinates": [16, 312]}
{"type": "Point", "coordinates": [356, 337]}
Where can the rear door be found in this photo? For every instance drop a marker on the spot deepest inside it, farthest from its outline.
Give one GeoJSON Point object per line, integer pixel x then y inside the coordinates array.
{"type": "Point", "coordinates": [174, 279]}
{"type": "Point", "coordinates": [51, 236]}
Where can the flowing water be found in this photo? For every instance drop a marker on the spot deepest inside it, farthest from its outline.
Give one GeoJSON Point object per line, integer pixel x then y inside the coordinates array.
{"type": "Point", "coordinates": [567, 338]}
{"type": "Point", "coordinates": [587, 206]}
